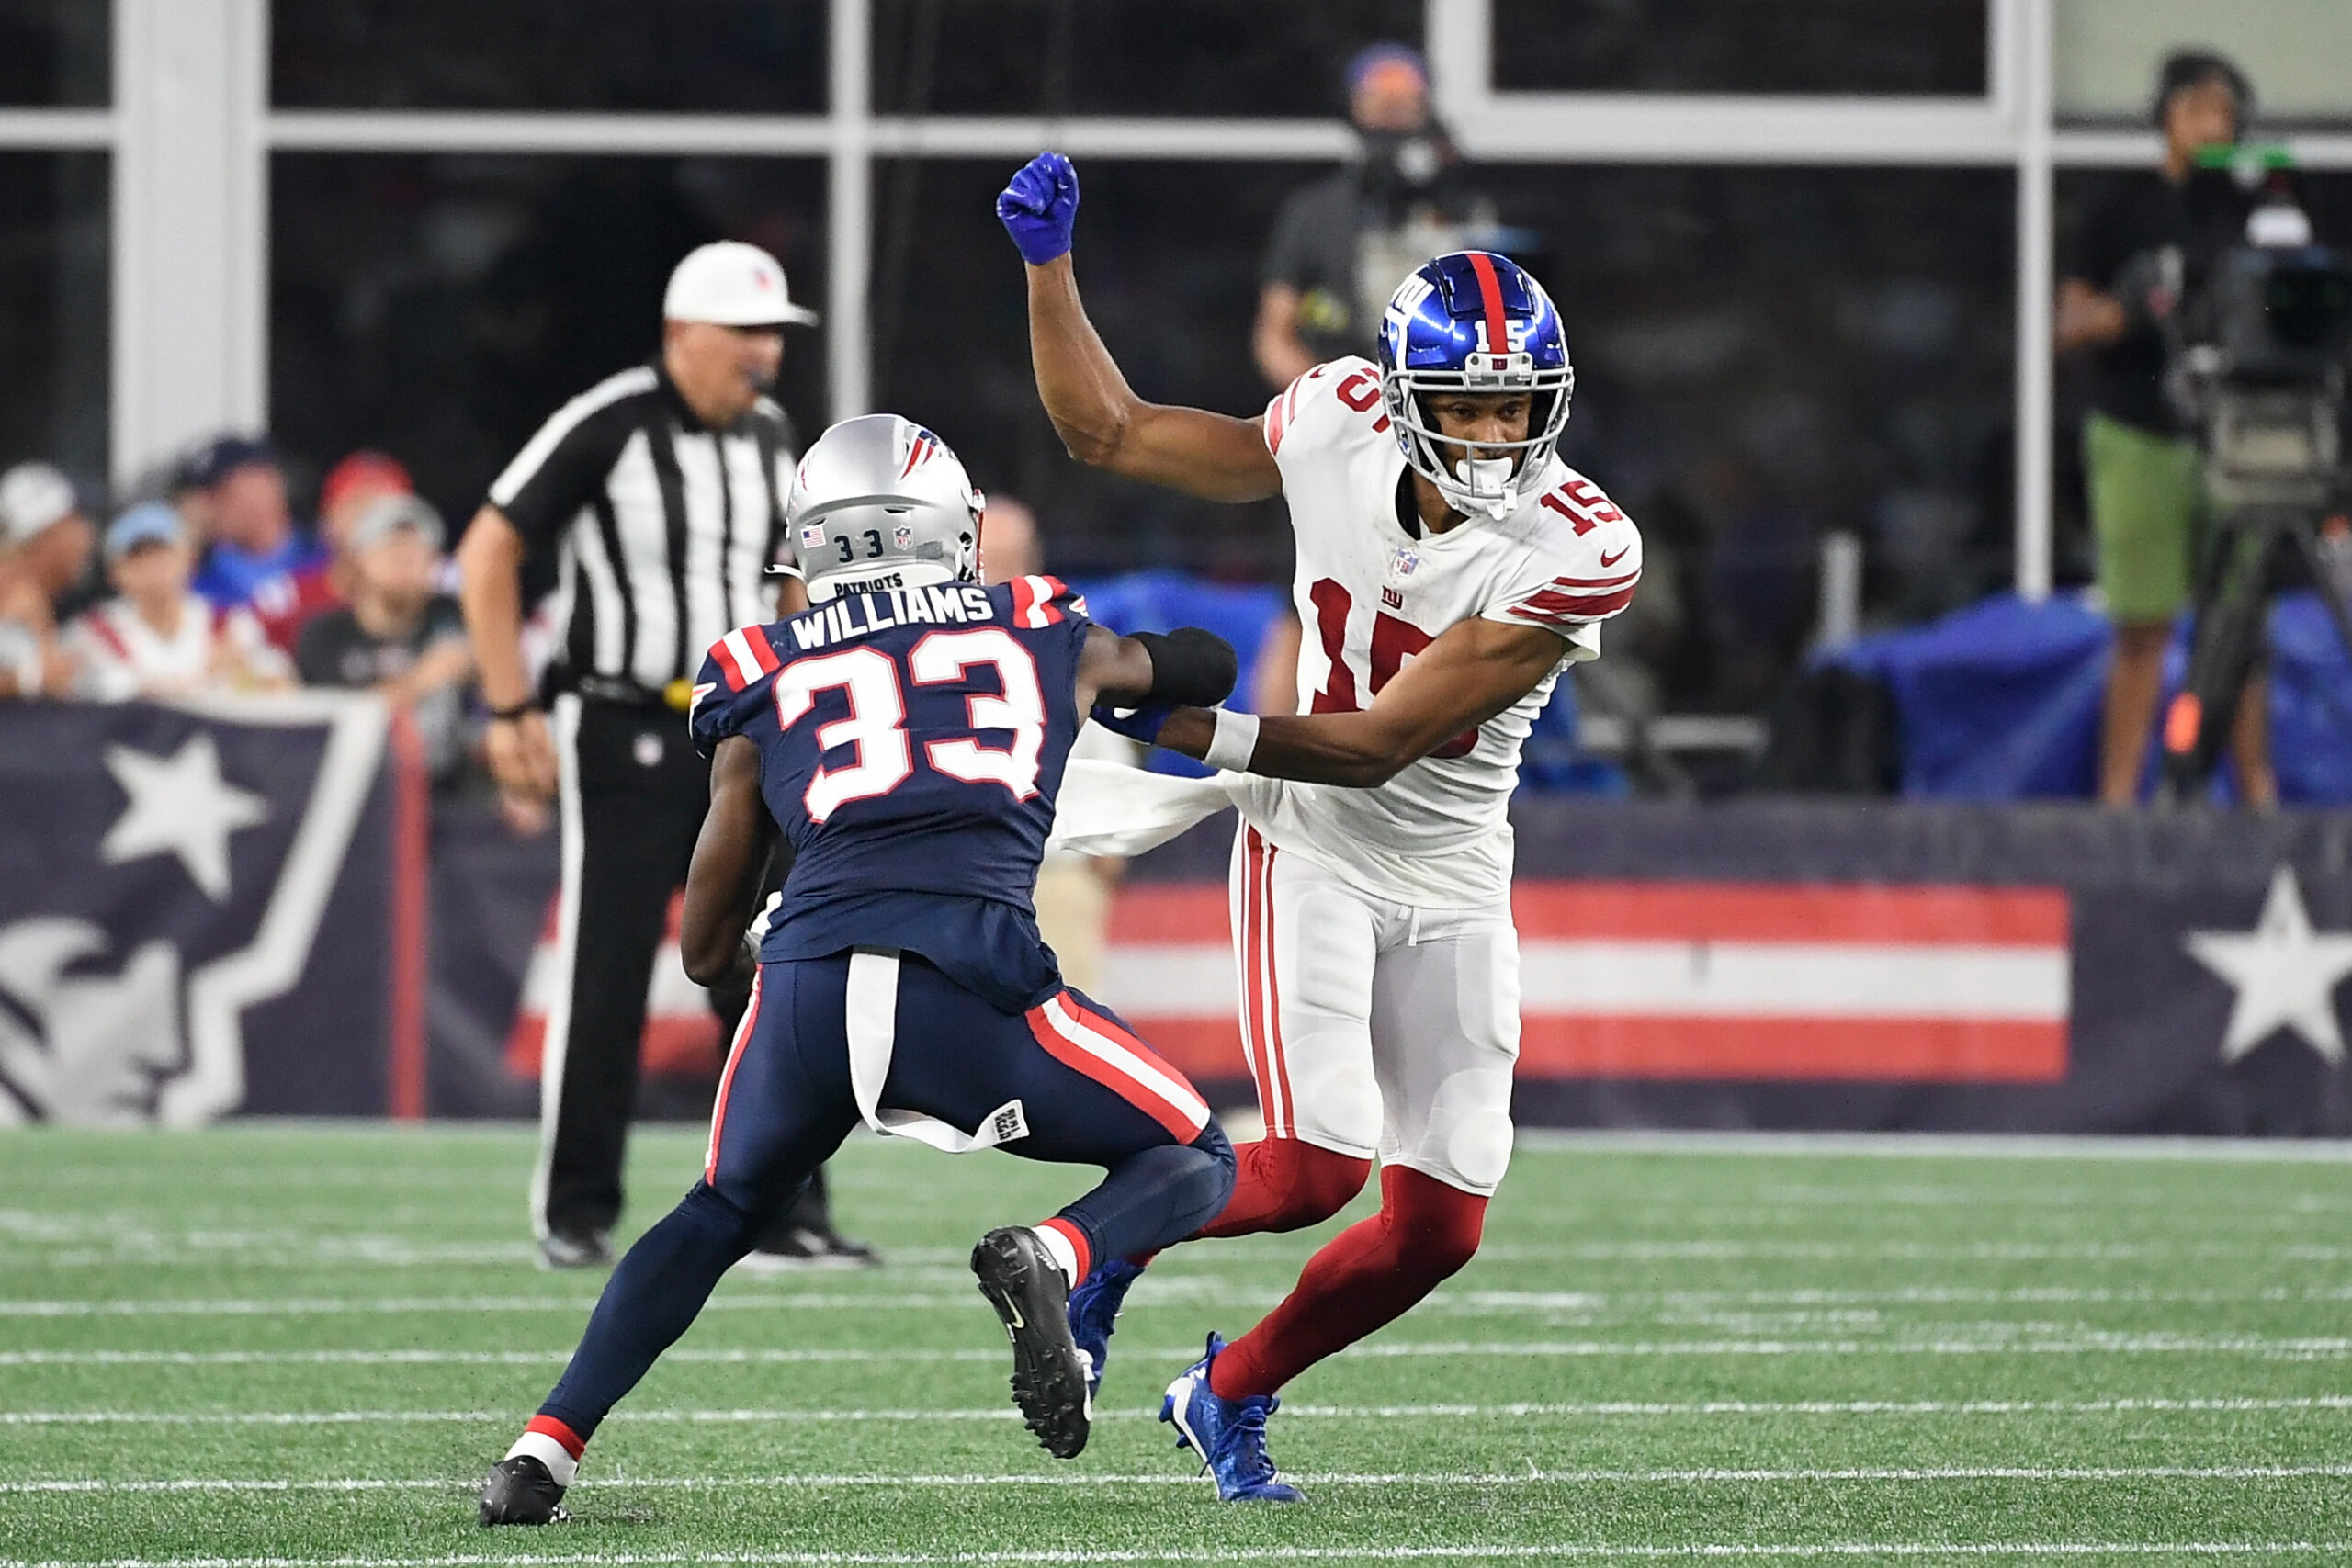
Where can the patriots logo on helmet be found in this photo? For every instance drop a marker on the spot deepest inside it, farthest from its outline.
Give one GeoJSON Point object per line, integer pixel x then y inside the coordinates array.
{"type": "Point", "coordinates": [920, 448]}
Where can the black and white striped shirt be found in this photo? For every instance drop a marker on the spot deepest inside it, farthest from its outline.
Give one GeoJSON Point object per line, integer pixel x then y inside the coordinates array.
{"type": "Point", "coordinates": [666, 528]}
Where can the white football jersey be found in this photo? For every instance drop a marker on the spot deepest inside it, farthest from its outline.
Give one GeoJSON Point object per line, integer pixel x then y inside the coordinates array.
{"type": "Point", "coordinates": [1370, 596]}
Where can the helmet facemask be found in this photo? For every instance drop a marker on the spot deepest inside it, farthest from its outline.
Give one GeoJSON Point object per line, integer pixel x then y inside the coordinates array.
{"type": "Point", "coordinates": [1437, 336]}
{"type": "Point", "coordinates": [1488, 484]}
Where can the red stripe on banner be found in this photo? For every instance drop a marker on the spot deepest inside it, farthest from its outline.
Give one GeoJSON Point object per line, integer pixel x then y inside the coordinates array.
{"type": "Point", "coordinates": [1490, 291]}
{"type": "Point", "coordinates": [548, 1427]}
{"type": "Point", "coordinates": [411, 836]}
{"type": "Point", "coordinates": [1203, 1048]}
{"type": "Point", "coordinates": [1172, 912]}
{"type": "Point", "coordinates": [727, 1078]}
{"type": "Point", "coordinates": [1710, 911]}
{"type": "Point", "coordinates": [1893, 1050]}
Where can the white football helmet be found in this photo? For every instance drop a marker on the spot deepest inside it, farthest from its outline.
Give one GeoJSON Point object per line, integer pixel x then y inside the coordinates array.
{"type": "Point", "coordinates": [878, 501]}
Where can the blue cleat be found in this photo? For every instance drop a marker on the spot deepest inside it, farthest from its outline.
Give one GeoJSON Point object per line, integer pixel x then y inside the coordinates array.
{"type": "Point", "coordinates": [1228, 1434]}
{"type": "Point", "coordinates": [1093, 1310]}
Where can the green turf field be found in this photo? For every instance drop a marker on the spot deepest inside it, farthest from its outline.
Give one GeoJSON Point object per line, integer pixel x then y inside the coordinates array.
{"type": "Point", "coordinates": [298, 1346]}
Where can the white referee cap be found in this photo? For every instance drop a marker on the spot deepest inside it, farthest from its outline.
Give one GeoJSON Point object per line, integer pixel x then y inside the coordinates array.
{"type": "Point", "coordinates": [734, 284]}
{"type": "Point", "coordinates": [33, 497]}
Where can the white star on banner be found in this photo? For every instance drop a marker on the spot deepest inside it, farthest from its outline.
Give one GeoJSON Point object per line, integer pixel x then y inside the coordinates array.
{"type": "Point", "coordinates": [2285, 973]}
{"type": "Point", "coordinates": [179, 806]}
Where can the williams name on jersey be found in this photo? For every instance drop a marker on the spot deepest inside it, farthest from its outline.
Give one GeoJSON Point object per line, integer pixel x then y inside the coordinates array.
{"type": "Point", "coordinates": [911, 745]}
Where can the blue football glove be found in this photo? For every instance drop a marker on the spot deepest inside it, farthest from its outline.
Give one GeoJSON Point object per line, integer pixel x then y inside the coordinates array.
{"type": "Point", "coordinates": [1039, 208]}
{"type": "Point", "coordinates": [1136, 724]}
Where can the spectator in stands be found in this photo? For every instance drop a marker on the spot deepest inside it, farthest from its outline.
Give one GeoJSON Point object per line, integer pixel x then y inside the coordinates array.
{"type": "Point", "coordinates": [156, 638]}
{"type": "Point", "coordinates": [255, 548]}
{"type": "Point", "coordinates": [1342, 245]}
{"type": "Point", "coordinates": [2145, 481]}
{"type": "Point", "coordinates": [350, 488]}
{"type": "Point", "coordinates": [45, 545]}
{"type": "Point", "coordinates": [400, 636]}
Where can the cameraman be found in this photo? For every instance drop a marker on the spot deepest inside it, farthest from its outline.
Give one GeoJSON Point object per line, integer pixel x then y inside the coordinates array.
{"type": "Point", "coordinates": [1340, 246]}
{"type": "Point", "coordinates": [2143, 471]}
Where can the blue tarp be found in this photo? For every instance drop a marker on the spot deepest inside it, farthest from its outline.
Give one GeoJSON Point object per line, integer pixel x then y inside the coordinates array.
{"type": "Point", "coordinates": [2001, 700]}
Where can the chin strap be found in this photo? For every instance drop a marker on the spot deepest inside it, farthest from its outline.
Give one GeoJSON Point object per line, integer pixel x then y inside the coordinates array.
{"type": "Point", "coordinates": [1485, 485]}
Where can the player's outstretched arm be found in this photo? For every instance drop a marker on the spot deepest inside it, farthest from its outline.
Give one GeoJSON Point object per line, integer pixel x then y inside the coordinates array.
{"type": "Point", "coordinates": [730, 856]}
{"type": "Point", "coordinates": [1153, 674]}
{"type": "Point", "coordinates": [1469, 674]}
{"type": "Point", "coordinates": [1097, 414]}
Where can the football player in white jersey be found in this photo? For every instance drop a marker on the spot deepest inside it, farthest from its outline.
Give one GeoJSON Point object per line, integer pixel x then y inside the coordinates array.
{"type": "Point", "coordinates": [1448, 567]}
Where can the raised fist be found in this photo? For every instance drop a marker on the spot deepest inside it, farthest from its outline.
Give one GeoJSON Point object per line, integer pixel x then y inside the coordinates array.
{"type": "Point", "coordinates": [1039, 208]}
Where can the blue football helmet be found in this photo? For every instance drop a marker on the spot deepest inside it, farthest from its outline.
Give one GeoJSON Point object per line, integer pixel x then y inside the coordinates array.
{"type": "Point", "coordinates": [1439, 334]}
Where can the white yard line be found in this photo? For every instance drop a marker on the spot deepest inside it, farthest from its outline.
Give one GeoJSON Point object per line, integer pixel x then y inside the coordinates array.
{"type": "Point", "coordinates": [1936, 1146]}
{"type": "Point", "coordinates": [1552, 1552]}
{"type": "Point", "coordinates": [2077, 1344]}
{"type": "Point", "coordinates": [1472, 1303]}
{"type": "Point", "coordinates": [1591, 1410]}
{"type": "Point", "coordinates": [1531, 1476]}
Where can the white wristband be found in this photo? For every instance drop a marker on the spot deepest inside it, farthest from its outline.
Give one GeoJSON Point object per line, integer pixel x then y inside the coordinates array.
{"type": "Point", "coordinates": [1233, 742]}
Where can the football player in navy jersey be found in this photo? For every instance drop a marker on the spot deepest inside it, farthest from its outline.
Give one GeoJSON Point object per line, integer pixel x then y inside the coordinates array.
{"type": "Point", "coordinates": [908, 734]}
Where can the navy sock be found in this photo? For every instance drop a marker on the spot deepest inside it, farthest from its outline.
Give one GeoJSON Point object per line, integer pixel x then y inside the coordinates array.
{"type": "Point", "coordinates": [650, 1301]}
{"type": "Point", "coordinates": [1157, 1197]}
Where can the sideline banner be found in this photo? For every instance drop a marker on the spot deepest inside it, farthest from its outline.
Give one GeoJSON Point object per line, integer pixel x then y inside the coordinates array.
{"type": "Point", "coordinates": [199, 912]}
{"type": "Point", "coordinates": [1833, 965]}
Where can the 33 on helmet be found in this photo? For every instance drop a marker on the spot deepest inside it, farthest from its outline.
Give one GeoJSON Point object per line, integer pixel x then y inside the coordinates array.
{"type": "Point", "coordinates": [1475, 321]}
{"type": "Point", "coordinates": [878, 501]}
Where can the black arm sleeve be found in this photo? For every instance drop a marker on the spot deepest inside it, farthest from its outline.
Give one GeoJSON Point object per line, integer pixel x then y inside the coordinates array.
{"type": "Point", "coordinates": [1191, 666]}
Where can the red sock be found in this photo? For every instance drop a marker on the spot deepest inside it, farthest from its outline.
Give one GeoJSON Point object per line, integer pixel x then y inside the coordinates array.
{"type": "Point", "coordinates": [1364, 1279]}
{"type": "Point", "coordinates": [1281, 1184]}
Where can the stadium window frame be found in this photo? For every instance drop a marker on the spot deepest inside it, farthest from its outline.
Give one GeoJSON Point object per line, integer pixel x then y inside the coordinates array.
{"type": "Point", "coordinates": [189, 286]}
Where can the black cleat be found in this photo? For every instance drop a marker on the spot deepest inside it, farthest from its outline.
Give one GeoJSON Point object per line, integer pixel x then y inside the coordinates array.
{"type": "Point", "coordinates": [1049, 1371]}
{"type": "Point", "coordinates": [804, 1247]}
{"type": "Point", "coordinates": [521, 1492]}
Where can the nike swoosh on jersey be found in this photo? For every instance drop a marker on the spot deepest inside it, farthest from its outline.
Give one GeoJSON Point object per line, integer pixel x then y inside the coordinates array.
{"type": "Point", "coordinates": [1608, 561]}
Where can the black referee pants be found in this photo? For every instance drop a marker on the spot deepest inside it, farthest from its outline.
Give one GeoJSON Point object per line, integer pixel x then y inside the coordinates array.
{"type": "Point", "coordinates": [633, 797]}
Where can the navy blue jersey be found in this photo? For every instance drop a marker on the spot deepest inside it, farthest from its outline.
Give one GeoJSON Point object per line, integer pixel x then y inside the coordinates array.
{"type": "Point", "coordinates": [911, 746]}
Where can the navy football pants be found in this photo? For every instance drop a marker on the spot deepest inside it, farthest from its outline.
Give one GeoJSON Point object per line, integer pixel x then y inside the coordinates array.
{"type": "Point", "coordinates": [1092, 1093]}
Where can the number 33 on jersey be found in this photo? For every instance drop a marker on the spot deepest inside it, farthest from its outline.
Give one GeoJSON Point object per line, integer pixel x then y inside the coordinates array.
{"type": "Point", "coordinates": [910, 738]}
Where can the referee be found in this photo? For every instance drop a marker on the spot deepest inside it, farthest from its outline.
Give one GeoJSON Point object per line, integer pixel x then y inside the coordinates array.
{"type": "Point", "coordinates": [661, 491]}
